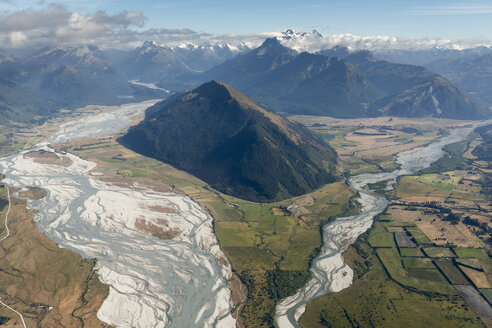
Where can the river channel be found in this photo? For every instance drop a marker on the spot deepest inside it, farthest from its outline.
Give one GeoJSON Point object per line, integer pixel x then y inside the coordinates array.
{"type": "Point", "coordinates": [330, 273]}
{"type": "Point", "coordinates": [179, 281]}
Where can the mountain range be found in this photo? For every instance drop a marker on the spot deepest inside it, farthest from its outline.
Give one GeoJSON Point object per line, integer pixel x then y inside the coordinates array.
{"type": "Point", "coordinates": [234, 144]}
{"type": "Point", "coordinates": [173, 67]}
{"type": "Point", "coordinates": [336, 82]}
{"type": "Point", "coordinates": [37, 86]}
{"type": "Point", "coordinates": [357, 85]}
{"type": "Point", "coordinates": [471, 72]}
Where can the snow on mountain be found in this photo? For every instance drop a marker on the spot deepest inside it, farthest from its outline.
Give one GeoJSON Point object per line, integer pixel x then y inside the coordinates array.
{"type": "Point", "coordinates": [314, 41]}
{"type": "Point", "coordinates": [155, 61]}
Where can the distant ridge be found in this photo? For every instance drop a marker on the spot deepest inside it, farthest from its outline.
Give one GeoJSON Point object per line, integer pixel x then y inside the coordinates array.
{"type": "Point", "coordinates": [352, 85]}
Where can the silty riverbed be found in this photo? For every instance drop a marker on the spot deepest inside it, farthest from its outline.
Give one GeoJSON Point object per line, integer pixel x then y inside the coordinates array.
{"type": "Point", "coordinates": [154, 282]}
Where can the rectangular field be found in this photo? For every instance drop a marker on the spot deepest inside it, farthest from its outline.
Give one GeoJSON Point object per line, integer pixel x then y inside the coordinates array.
{"type": "Point", "coordinates": [451, 272]}
{"type": "Point", "coordinates": [417, 263]}
{"type": "Point", "coordinates": [476, 301]}
{"type": "Point", "coordinates": [403, 240]}
{"type": "Point", "coordinates": [439, 252]}
{"type": "Point", "coordinates": [412, 252]}
{"type": "Point", "coordinates": [474, 253]}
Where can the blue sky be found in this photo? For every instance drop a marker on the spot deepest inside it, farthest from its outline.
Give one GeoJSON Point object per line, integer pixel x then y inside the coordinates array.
{"type": "Point", "coordinates": [403, 18]}
{"type": "Point", "coordinates": [126, 24]}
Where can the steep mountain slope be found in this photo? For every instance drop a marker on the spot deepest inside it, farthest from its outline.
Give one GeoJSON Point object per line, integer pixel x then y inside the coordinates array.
{"type": "Point", "coordinates": [357, 86]}
{"type": "Point", "coordinates": [18, 105]}
{"type": "Point", "coordinates": [436, 98]}
{"type": "Point", "coordinates": [472, 73]}
{"type": "Point", "coordinates": [89, 61]}
{"type": "Point", "coordinates": [9, 66]}
{"type": "Point", "coordinates": [414, 91]}
{"type": "Point", "coordinates": [484, 150]}
{"type": "Point", "coordinates": [298, 83]}
{"type": "Point", "coordinates": [237, 146]}
{"type": "Point", "coordinates": [173, 67]}
{"type": "Point", "coordinates": [62, 86]}
{"type": "Point", "coordinates": [316, 85]}
{"type": "Point", "coordinates": [65, 78]}
{"type": "Point", "coordinates": [246, 70]}
{"type": "Point", "coordinates": [153, 63]}
{"type": "Point", "coordinates": [337, 51]}
{"type": "Point", "coordinates": [206, 56]}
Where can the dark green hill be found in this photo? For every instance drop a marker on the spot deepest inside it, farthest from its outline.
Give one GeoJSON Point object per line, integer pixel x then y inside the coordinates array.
{"type": "Point", "coordinates": [235, 145]}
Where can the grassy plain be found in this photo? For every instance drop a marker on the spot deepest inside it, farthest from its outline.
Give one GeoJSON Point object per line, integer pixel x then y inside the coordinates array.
{"type": "Point", "coordinates": [371, 144]}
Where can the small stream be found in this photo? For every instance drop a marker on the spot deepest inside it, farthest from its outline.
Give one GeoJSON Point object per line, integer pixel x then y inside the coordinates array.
{"type": "Point", "coordinates": [330, 273]}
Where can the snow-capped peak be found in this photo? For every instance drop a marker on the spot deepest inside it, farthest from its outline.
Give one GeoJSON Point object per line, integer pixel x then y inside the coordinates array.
{"type": "Point", "coordinates": [294, 34]}
{"type": "Point", "coordinates": [300, 41]}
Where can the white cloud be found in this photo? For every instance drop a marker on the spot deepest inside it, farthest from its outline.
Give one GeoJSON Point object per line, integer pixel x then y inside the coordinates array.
{"type": "Point", "coordinates": [55, 25]}
{"type": "Point", "coordinates": [456, 9]}
{"type": "Point", "coordinates": [314, 42]}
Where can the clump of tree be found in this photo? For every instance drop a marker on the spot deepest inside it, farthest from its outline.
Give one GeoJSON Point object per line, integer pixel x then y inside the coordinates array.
{"type": "Point", "coordinates": [471, 222]}
{"type": "Point", "coordinates": [452, 218]}
{"type": "Point", "coordinates": [284, 283]}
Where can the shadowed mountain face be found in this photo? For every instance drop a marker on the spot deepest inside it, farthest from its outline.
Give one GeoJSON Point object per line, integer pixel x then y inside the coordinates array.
{"type": "Point", "coordinates": [235, 145]}
{"type": "Point", "coordinates": [88, 61]}
{"type": "Point", "coordinates": [18, 105]}
{"type": "Point", "coordinates": [305, 84]}
{"type": "Point", "coordinates": [483, 152]}
{"type": "Point", "coordinates": [356, 86]}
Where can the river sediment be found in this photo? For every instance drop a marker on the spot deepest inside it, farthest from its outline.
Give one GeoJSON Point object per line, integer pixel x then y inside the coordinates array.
{"type": "Point", "coordinates": [180, 281]}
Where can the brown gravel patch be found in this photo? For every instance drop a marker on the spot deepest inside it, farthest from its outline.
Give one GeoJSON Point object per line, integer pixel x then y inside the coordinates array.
{"type": "Point", "coordinates": [162, 209]}
{"type": "Point", "coordinates": [157, 231]}
{"type": "Point", "coordinates": [46, 157]}
{"type": "Point", "coordinates": [33, 193]}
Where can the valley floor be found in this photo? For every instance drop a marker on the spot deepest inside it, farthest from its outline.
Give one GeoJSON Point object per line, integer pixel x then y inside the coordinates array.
{"type": "Point", "coordinates": [427, 259]}
{"type": "Point", "coordinates": [407, 263]}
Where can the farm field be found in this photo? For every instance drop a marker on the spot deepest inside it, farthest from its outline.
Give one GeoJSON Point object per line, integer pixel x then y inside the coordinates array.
{"type": "Point", "coordinates": [378, 299]}
{"type": "Point", "coordinates": [370, 144]}
{"type": "Point", "coordinates": [434, 239]}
